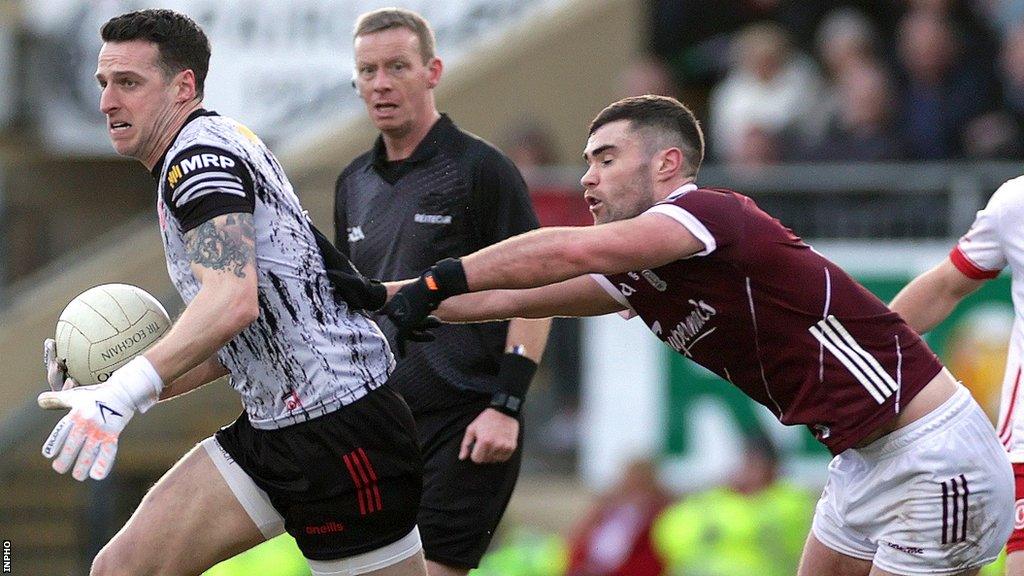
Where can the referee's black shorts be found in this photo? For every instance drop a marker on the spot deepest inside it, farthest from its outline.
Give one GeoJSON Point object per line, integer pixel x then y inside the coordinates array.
{"type": "Point", "coordinates": [462, 501]}
{"type": "Point", "coordinates": [346, 483]}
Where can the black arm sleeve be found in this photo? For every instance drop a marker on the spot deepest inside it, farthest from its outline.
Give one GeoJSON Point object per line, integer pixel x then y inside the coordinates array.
{"type": "Point", "coordinates": [204, 182]}
{"type": "Point", "coordinates": [341, 214]}
{"type": "Point", "coordinates": [501, 201]}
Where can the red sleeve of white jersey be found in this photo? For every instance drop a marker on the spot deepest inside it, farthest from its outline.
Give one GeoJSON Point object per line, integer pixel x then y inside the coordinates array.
{"type": "Point", "coordinates": [970, 269]}
{"type": "Point", "coordinates": [979, 253]}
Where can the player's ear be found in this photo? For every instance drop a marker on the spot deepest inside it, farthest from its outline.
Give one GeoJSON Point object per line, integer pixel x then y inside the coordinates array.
{"type": "Point", "coordinates": [667, 163]}
{"type": "Point", "coordinates": [186, 82]}
{"type": "Point", "coordinates": [434, 69]}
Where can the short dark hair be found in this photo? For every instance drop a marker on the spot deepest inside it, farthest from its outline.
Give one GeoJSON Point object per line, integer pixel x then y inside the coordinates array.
{"type": "Point", "coordinates": [182, 43]}
{"type": "Point", "coordinates": [388, 18]}
{"type": "Point", "coordinates": [664, 114]}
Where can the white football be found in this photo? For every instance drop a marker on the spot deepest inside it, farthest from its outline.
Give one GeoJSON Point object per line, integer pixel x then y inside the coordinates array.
{"type": "Point", "coordinates": [105, 327]}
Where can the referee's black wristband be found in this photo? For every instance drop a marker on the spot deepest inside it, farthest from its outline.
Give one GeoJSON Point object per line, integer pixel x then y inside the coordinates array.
{"type": "Point", "coordinates": [450, 277]}
{"type": "Point", "coordinates": [514, 379]}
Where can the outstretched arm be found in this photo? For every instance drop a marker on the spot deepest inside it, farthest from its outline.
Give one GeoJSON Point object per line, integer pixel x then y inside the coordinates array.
{"type": "Point", "coordinates": [580, 296]}
{"type": "Point", "coordinates": [542, 258]}
{"type": "Point", "coordinates": [930, 297]}
{"type": "Point", "coordinates": [551, 255]}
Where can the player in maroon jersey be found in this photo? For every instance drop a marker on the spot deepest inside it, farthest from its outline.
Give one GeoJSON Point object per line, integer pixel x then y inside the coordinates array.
{"type": "Point", "coordinates": [919, 483]}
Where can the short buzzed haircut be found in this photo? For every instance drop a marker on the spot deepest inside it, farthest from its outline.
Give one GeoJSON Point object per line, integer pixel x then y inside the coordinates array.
{"type": "Point", "coordinates": [389, 18]}
{"type": "Point", "coordinates": [673, 122]}
{"type": "Point", "coordinates": [181, 42]}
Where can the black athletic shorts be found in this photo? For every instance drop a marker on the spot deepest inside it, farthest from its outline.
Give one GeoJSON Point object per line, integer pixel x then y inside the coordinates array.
{"type": "Point", "coordinates": [462, 501]}
{"type": "Point", "coordinates": [346, 483]}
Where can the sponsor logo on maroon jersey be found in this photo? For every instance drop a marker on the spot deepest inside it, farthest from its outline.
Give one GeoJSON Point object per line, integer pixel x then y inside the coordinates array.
{"type": "Point", "coordinates": [659, 284]}
{"type": "Point", "coordinates": [652, 279]}
{"type": "Point", "coordinates": [691, 329]}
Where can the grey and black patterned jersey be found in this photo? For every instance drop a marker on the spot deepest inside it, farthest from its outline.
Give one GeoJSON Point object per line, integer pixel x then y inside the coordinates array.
{"type": "Point", "coordinates": [306, 354]}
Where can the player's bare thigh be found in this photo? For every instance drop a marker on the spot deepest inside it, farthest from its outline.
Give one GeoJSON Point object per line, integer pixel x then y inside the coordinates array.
{"type": "Point", "coordinates": [820, 560]}
{"type": "Point", "coordinates": [876, 571]}
{"type": "Point", "coordinates": [437, 569]}
{"type": "Point", "coordinates": [411, 566]}
{"type": "Point", "coordinates": [1015, 564]}
{"type": "Point", "coordinates": [189, 521]}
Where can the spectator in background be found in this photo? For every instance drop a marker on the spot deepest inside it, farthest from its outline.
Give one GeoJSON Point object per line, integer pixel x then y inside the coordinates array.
{"type": "Point", "coordinates": [1003, 16]}
{"type": "Point", "coordinates": [940, 91]}
{"type": "Point", "coordinates": [525, 552]}
{"type": "Point", "coordinates": [648, 76]}
{"type": "Point", "coordinates": [755, 525]}
{"type": "Point", "coordinates": [1011, 72]}
{"type": "Point", "coordinates": [772, 89]}
{"type": "Point", "coordinates": [530, 146]}
{"type": "Point", "coordinates": [615, 538]}
{"type": "Point", "coordinates": [846, 39]}
{"type": "Point", "coordinates": [1000, 134]}
{"type": "Point", "coordinates": [861, 128]}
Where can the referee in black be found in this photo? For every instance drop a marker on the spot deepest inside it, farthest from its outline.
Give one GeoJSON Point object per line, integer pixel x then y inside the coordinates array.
{"type": "Point", "coordinates": [424, 192]}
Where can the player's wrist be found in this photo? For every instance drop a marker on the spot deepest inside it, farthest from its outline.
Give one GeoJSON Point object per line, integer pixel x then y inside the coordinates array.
{"type": "Point", "coordinates": [445, 279]}
{"type": "Point", "coordinates": [514, 377]}
{"type": "Point", "coordinates": [139, 382]}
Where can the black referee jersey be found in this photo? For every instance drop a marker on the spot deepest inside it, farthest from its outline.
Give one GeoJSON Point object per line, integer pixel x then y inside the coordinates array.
{"type": "Point", "coordinates": [454, 195]}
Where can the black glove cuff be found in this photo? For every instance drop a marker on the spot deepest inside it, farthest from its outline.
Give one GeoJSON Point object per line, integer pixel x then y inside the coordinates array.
{"type": "Point", "coordinates": [450, 278]}
{"type": "Point", "coordinates": [378, 294]}
{"type": "Point", "coordinates": [514, 379]}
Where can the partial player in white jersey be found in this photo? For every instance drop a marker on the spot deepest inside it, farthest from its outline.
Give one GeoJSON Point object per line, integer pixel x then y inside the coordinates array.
{"type": "Point", "coordinates": [324, 450]}
{"type": "Point", "coordinates": [994, 241]}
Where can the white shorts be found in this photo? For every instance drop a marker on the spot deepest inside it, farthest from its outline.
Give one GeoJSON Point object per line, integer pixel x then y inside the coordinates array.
{"type": "Point", "coordinates": [270, 522]}
{"type": "Point", "coordinates": [934, 497]}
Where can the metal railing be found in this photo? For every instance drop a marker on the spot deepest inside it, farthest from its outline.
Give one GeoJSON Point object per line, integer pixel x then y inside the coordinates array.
{"type": "Point", "coordinates": [850, 201]}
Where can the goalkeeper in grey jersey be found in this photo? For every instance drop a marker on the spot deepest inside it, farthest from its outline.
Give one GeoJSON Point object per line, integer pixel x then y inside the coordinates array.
{"type": "Point", "coordinates": [324, 450]}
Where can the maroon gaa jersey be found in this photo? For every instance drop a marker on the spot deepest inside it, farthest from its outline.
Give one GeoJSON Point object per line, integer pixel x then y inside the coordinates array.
{"type": "Point", "coordinates": [765, 311]}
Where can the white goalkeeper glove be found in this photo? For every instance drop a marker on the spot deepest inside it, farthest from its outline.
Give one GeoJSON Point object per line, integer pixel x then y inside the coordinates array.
{"type": "Point", "coordinates": [56, 371]}
{"type": "Point", "coordinates": [87, 435]}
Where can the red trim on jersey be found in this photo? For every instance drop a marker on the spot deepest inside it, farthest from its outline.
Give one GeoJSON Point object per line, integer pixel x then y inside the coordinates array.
{"type": "Point", "coordinates": [968, 268]}
{"type": "Point", "coordinates": [1016, 540]}
{"type": "Point", "coordinates": [1009, 411]}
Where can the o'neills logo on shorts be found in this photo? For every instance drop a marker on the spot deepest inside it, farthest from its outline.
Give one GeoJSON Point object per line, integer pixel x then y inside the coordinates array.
{"type": "Point", "coordinates": [915, 550]}
{"type": "Point", "coordinates": [1018, 515]}
{"type": "Point", "coordinates": [328, 528]}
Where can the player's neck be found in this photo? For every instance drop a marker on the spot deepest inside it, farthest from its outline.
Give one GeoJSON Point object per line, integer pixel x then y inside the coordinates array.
{"type": "Point", "coordinates": [665, 189]}
{"type": "Point", "coordinates": [401, 146]}
{"type": "Point", "coordinates": [167, 132]}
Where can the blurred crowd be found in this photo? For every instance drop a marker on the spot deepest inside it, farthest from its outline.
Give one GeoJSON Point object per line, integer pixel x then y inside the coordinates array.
{"type": "Point", "coordinates": [754, 524]}
{"type": "Point", "coordinates": [832, 80]}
